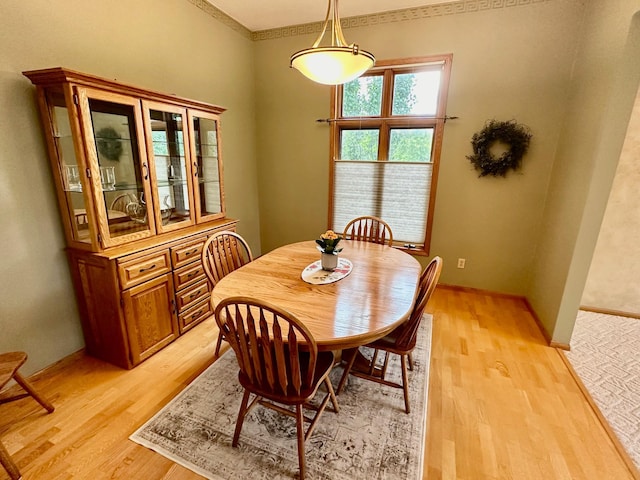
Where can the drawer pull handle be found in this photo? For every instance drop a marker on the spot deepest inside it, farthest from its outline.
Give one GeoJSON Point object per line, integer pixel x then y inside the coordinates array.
{"type": "Point", "coordinates": [196, 315]}
{"type": "Point", "coordinates": [194, 295]}
{"type": "Point", "coordinates": [142, 270]}
{"type": "Point", "coordinates": [190, 252]}
{"type": "Point", "coordinates": [189, 275]}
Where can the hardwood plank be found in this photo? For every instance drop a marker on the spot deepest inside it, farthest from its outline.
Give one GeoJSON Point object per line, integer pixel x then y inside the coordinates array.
{"type": "Point", "coordinates": [502, 405]}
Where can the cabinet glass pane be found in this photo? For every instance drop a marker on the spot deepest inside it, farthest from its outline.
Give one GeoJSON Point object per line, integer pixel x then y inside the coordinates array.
{"type": "Point", "coordinates": [170, 166]}
{"type": "Point", "coordinates": [114, 130]}
{"type": "Point", "coordinates": [206, 140]}
{"type": "Point", "coordinates": [69, 169]}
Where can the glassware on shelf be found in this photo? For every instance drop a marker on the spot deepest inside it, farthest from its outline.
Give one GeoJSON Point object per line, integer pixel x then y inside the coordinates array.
{"type": "Point", "coordinates": [137, 211]}
{"type": "Point", "coordinates": [72, 178]}
{"type": "Point", "coordinates": [167, 211]}
{"type": "Point", "coordinates": [108, 178]}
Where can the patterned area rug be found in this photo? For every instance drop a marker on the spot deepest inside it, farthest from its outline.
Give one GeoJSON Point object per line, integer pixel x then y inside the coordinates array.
{"type": "Point", "coordinates": [371, 438]}
{"type": "Point", "coordinates": [604, 354]}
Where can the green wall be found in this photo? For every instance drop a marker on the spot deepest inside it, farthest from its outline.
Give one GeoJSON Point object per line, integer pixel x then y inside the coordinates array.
{"type": "Point", "coordinates": [603, 88]}
{"type": "Point", "coordinates": [170, 46]}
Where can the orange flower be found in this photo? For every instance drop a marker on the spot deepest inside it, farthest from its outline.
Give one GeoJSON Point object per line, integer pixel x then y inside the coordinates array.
{"type": "Point", "coordinates": [328, 241]}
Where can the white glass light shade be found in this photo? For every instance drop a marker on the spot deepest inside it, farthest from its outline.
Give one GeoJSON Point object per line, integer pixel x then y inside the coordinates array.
{"type": "Point", "coordinates": [332, 65]}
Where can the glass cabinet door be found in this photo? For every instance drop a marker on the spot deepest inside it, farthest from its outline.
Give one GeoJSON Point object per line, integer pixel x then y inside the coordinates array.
{"type": "Point", "coordinates": [118, 165]}
{"type": "Point", "coordinates": [207, 165]}
{"type": "Point", "coordinates": [71, 176]}
{"type": "Point", "coordinates": [166, 135]}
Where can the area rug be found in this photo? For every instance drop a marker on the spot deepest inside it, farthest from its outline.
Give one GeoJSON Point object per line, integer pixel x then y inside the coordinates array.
{"type": "Point", "coordinates": [604, 354]}
{"type": "Point", "coordinates": [370, 438]}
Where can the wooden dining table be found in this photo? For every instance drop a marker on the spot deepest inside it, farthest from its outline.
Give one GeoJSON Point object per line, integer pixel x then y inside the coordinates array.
{"type": "Point", "coordinates": [376, 296]}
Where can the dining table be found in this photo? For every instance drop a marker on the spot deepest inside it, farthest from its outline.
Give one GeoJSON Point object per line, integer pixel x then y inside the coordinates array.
{"type": "Point", "coordinates": [375, 296]}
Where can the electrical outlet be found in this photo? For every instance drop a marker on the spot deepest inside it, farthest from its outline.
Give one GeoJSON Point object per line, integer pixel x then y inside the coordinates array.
{"type": "Point", "coordinates": [461, 262]}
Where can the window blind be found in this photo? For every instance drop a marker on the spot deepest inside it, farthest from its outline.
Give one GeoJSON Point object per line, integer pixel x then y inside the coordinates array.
{"type": "Point", "coordinates": [396, 192]}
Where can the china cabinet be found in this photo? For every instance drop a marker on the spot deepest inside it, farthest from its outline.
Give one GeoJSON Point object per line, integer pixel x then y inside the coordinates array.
{"type": "Point", "coordinates": [139, 182]}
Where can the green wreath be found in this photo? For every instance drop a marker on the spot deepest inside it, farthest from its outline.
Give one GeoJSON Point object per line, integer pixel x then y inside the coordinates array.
{"type": "Point", "coordinates": [515, 136]}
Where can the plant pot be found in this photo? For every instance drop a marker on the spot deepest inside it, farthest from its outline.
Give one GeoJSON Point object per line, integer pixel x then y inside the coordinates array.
{"type": "Point", "coordinates": [329, 261]}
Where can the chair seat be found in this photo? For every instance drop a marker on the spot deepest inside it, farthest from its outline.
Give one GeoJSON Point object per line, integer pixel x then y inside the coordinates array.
{"type": "Point", "coordinates": [10, 362]}
{"type": "Point", "coordinates": [389, 343]}
{"type": "Point", "coordinates": [324, 364]}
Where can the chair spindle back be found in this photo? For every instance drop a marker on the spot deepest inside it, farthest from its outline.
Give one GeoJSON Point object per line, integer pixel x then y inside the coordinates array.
{"type": "Point", "coordinates": [428, 282]}
{"type": "Point", "coordinates": [369, 229]}
{"type": "Point", "coordinates": [267, 342]}
{"type": "Point", "coordinates": [223, 253]}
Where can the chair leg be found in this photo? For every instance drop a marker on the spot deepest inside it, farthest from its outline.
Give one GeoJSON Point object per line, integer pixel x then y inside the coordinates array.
{"type": "Point", "coordinates": [405, 383]}
{"type": "Point", "coordinates": [240, 420]}
{"type": "Point", "coordinates": [300, 429]}
{"type": "Point", "coordinates": [345, 374]}
{"type": "Point", "coordinates": [7, 463]}
{"type": "Point", "coordinates": [219, 343]}
{"type": "Point", "coordinates": [334, 400]}
{"type": "Point", "coordinates": [31, 391]}
{"type": "Point", "coordinates": [410, 361]}
{"type": "Point", "coordinates": [374, 359]}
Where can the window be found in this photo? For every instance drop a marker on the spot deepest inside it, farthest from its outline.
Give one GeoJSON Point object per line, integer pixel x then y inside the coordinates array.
{"type": "Point", "coordinates": [386, 130]}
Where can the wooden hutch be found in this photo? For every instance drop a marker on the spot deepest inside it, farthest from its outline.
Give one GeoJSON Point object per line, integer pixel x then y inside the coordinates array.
{"type": "Point", "coordinates": [139, 182]}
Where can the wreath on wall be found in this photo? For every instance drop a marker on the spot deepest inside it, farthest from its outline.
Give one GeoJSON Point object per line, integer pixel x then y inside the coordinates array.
{"type": "Point", "coordinates": [515, 136]}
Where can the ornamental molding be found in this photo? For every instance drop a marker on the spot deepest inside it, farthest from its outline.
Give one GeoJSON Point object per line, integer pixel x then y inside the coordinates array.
{"type": "Point", "coordinates": [416, 13]}
{"type": "Point", "coordinates": [222, 17]}
{"type": "Point", "coordinates": [393, 16]}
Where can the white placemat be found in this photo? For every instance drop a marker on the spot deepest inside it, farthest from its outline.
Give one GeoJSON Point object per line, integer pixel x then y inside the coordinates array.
{"type": "Point", "coordinates": [314, 274]}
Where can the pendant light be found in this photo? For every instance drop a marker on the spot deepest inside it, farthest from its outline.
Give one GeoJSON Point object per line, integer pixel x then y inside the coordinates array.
{"type": "Point", "coordinates": [336, 64]}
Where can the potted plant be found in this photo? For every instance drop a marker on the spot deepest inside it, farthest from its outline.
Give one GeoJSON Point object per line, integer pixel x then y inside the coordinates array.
{"type": "Point", "coordinates": [328, 246]}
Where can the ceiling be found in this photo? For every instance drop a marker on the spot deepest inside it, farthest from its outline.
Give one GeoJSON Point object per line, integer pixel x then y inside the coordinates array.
{"type": "Point", "coordinates": [265, 14]}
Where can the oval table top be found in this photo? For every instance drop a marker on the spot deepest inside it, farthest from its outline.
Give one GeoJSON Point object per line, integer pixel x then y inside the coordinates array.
{"type": "Point", "coordinates": [367, 304]}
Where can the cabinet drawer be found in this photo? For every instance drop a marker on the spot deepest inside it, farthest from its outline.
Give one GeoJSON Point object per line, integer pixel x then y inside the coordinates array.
{"type": "Point", "coordinates": [193, 295]}
{"type": "Point", "coordinates": [194, 315]}
{"type": "Point", "coordinates": [185, 254]}
{"type": "Point", "coordinates": [142, 269]}
{"type": "Point", "coordinates": [188, 275]}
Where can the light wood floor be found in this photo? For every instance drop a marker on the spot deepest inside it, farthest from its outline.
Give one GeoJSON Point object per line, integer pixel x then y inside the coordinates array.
{"type": "Point", "coordinates": [502, 405]}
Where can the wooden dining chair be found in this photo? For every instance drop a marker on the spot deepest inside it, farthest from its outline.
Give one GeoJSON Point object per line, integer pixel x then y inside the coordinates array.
{"type": "Point", "coordinates": [223, 253]}
{"type": "Point", "coordinates": [400, 341]}
{"type": "Point", "coordinates": [279, 363]}
{"type": "Point", "coordinates": [9, 365]}
{"type": "Point", "coordinates": [368, 229]}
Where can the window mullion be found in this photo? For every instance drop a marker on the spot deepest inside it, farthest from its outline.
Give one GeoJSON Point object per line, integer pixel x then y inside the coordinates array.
{"type": "Point", "coordinates": [387, 93]}
{"type": "Point", "coordinates": [383, 146]}
{"type": "Point", "coordinates": [387, 97]}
